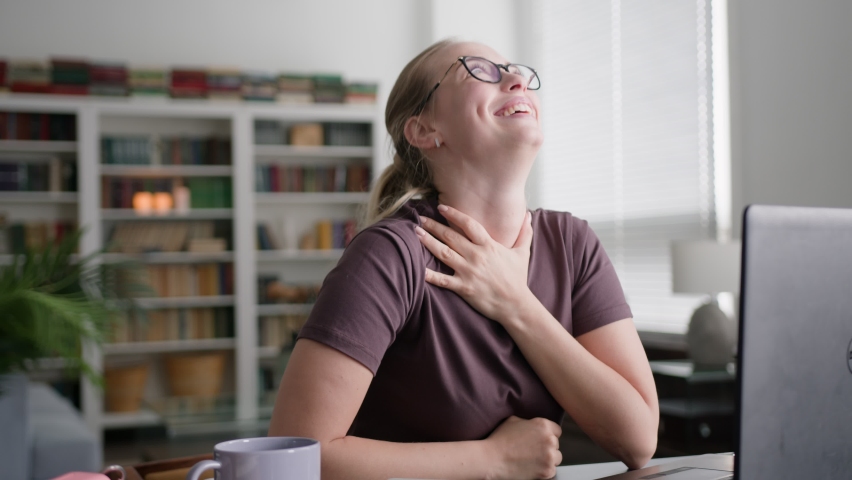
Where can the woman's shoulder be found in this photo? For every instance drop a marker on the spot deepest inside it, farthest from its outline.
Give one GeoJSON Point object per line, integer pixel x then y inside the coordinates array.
{"type": "Point", "coordinates": [395, 231]}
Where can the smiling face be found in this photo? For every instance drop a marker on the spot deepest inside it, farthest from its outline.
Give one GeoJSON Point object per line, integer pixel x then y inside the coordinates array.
{"type": "Point", "coordinates": [477, 119]}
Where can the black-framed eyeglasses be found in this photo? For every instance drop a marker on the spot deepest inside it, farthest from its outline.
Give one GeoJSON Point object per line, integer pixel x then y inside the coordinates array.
{"type": "Point", "coordinates": [486, 71]}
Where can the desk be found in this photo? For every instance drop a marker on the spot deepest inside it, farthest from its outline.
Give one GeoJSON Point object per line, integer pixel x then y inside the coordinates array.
{"type": "Point", "coordinates": [570, 472]}
{"type": "Point", "coordinates": [598, 470]}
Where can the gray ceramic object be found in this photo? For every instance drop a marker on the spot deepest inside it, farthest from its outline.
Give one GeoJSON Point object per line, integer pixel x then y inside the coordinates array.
{"type": "Point", "coordinates": [263, 458]}
{"type": "Point", "coordinates": [712, 337]}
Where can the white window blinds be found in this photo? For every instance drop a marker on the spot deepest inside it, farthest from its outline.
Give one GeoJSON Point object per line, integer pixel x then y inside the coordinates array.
{"type": "Point", "coordinates": [628, 136]}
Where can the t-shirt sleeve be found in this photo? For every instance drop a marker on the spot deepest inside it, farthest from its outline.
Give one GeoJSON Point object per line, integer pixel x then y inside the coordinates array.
{"type": "Point", "coordinates": [598, 298]}
{"type": "Point", "coordinates": [365, 300]}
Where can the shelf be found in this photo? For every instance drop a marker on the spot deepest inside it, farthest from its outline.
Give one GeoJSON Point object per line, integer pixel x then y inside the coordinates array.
{"type": "Point", "coordinates": [38, 197]}
{"type": "Point", "coordinates": [686, 408]}
{"type": "Point", "coordinates": [185, 302]}
{"type": "Point", "coordinates": [327, 151]}
{"type": "Point", "coordinates": [298, 198]}
{"type": "Point", "coordinates": [284, 309]}
{"type": "Point", "coordinates": [169, 257]}
{"type": "Point", "coordinates": [196, 214]}
{"type": "Point", "coordinates": [298, 255]}
{"type": "Point", "coordinates": [142, 418]}
{"type": "Point", "coordinates": [167, 170]}
{"type": "Point", "coordinates": [170, 107]}
{"type": "Point", "coordinates": [169, 346]}
{"type": "Point", "coordinates": [37, 146]}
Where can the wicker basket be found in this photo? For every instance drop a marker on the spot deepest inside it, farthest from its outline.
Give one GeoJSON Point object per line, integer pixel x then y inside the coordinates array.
{"type": "Point", "coordinates": [195, 375]}
{"type": "Point", "coordinates": [124, 387]}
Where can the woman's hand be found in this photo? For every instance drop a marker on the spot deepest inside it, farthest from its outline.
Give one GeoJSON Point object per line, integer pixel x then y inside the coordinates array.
{"type": "Point", "coordinates": [489, 276]}
{"type": "Point", "coordinates": [525, 448]}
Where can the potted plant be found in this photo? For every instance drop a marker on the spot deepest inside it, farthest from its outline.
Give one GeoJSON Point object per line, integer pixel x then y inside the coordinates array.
{"type": "Point", "coordinates": [51, 301]}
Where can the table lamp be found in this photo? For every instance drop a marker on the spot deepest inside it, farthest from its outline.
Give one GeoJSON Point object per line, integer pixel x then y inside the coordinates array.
{"type": "Point", "coordinates": [708, 267]}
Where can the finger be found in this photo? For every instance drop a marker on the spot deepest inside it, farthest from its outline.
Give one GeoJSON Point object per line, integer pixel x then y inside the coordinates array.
{"type": "Point", "coordinates": [473, 229]}
{"type": "Point", "coordinates": [555, 429]}
{"type": "Point", "coordinates": [448, 236]}
{"type": "Point", "coordinates": [441, 251]}
{"type": "Point", "coordinates": [524, 239]}
{"type": "Point", "coordinates": [442, 280]}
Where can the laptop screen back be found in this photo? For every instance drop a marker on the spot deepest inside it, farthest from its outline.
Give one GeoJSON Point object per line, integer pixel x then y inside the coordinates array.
{"type": "Point", "coordinates": [795, 363]}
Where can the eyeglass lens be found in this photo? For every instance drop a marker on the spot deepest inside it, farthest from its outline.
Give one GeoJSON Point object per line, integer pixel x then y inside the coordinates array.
{"type": "Point", "coordinates": [486, 71]}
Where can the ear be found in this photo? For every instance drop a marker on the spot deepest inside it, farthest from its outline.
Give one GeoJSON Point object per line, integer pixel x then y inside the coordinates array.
{"type": "Point", "coordinates": [420, 133]}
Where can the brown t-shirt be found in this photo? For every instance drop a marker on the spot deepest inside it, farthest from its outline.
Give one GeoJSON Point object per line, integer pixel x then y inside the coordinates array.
{"type": "Point", "coordinates": [444, 372]}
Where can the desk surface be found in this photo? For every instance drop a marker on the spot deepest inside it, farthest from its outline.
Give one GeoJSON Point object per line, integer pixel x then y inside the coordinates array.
{"type": "Point", "coordinates": [598, 470]}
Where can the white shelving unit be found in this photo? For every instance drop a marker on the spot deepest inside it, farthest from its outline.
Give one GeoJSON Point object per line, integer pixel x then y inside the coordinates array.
{"type": "Point", "coordinates": [97, 117]}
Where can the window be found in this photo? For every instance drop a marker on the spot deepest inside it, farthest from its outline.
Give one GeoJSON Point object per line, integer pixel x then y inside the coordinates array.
{"type": "Point", "coordinates": [628, 125]}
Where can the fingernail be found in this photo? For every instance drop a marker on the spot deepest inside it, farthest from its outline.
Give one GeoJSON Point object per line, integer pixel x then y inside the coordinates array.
{"type": "Point", "coordinates": [423, 219]}
{"type": "Point", "coordinates": [419, 231]}
{"type": "Point", "coordinates": [442, 208]}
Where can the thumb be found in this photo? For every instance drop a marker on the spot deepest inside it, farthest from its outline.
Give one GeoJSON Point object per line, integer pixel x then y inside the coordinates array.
{"type": "Point", "coordinates": [525, 237]}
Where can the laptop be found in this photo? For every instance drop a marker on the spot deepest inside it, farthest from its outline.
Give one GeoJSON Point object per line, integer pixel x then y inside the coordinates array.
{"type": "Point", "coordinates": [795, 352]}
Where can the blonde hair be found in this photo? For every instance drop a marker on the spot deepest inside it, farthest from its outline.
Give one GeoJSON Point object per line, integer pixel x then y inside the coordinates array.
{"type": "Point", "coordinates": [409, 175]}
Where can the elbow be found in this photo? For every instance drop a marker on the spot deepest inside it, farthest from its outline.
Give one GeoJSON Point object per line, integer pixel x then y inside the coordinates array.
{"type": "Point", "coordinates": [639, 457]}
{"type": "Point", "coordinates": [640, 452]}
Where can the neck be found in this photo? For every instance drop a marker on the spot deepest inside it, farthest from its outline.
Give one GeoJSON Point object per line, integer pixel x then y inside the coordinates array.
{"type": "Point", "coordinates": [500, 207]}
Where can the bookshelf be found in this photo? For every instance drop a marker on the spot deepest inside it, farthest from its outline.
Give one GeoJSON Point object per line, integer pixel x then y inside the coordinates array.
{"type": "Point", "coordinates": [105, 183]}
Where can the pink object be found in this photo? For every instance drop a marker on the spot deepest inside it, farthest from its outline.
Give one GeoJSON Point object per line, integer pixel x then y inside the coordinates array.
{"type": "Point", "coordinates": [115, 472]}
{"type": "Point", "coordinates": [82, 476]}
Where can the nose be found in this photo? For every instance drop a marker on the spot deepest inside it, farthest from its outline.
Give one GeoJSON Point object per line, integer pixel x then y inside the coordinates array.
{"type": "Point", "coordinates": [514, 82]}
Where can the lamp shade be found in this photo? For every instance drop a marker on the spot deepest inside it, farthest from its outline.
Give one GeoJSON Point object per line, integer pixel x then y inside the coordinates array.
{"type": "Point", "coordinates": [705, 266]}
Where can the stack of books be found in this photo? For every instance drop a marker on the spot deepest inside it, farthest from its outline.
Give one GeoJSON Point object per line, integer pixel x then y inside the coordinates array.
{"type": "Point", "coordinates": [189, 83]}
{"type": "Point", "coordinates": [145, 237]}
{"type": "Point", "coordinates": [294, 88]}
{"type": "Point", "coordinates": [329, 89]}
{"type": "Point", "coordinates": [347, 134]}
{"type": "Point", "coordinates": [38, 126]}
{"type": "Point", "coordinates": [188, 280]}
{"type": "Point", "coordinates": [69, 76]}
{"type": "Point", "coordinates": [259, 87]}
{"type": "Point", "coordinates": [269, 132]}
{"type": "Point", "coordinates": [195, 151]}
{"type": "Point", "coordinates": [361, 92]}
{"type": "Point", "coordinates": [28, 76]}
{"type": "Point", "coordinates": [149, 81]}
{"type": "Point", "coordinates": [108, 79]}
{"type": "Point", "coordinates": [174, 324]}
{"type": "Point", "coordinates": [224, 84]}
{"type": "Point", "coordinates": [312, 178]}
{"type": "Point", "coordinates": [48, 175]}
{"type": "Point", "coordinates": [3, 87]}
{"type": "Point", "coordinates": [21, 237]}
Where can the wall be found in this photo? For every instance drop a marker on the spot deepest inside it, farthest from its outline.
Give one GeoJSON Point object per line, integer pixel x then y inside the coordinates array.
{"type": "Point", "coordinates": [791, 95]}
{"type": "Point", "coordinates": [363, 40]}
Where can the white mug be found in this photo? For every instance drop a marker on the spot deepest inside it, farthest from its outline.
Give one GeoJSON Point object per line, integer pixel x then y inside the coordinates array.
{"type": "Point", "coordinates": [263, 458]}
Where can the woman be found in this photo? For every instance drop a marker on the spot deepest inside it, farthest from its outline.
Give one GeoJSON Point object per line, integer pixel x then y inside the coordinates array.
{"type": "Point", "coordinates": [458, 327]}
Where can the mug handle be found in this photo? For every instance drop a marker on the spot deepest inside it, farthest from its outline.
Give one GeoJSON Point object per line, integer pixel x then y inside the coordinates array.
{"type": "Point", "coordinates": [200, 467]}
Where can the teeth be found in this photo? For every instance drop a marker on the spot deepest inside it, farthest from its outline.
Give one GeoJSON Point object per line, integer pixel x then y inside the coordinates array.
{"type": "Point", "coordinates": [521, 107]}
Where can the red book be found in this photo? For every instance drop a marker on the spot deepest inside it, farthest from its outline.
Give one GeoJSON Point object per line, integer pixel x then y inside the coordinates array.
{"type": "Point", "coordinates": [23, 126]}
{"type": "Point", "coordinates": [45, 127]}
{"type": "Point", "coordinates": [27, 87]}
{"type": "Point", "coordinates": [274, 179]}
{"type": "Point", "coordinates": [57, 89]}
{"type": "Point", "coordinates": [4, 129]}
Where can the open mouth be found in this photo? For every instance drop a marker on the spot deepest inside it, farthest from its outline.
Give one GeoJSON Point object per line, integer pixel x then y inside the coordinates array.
{"type": "Point", "coordinates": [516, 110]}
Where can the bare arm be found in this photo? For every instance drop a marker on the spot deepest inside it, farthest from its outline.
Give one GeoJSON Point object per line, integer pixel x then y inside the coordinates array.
{"type": "Point", "coordinates": [320, 394]}
{"type": "Point", "coordinates": [602, 379]}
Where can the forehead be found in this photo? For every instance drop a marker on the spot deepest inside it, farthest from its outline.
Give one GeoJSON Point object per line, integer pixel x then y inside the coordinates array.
{"type": "Point", "coordinates": [445, 57]}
